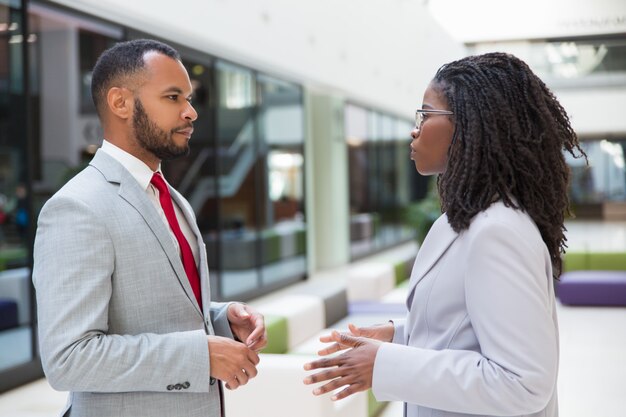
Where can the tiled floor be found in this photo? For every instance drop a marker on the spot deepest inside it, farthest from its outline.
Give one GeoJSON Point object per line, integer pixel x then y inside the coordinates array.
{"type": "Point", "coordinates": [593, 346]}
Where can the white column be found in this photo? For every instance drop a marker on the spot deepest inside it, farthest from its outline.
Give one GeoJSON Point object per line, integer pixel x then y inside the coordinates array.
{"type": "Point", "coordinates": [327, 198]}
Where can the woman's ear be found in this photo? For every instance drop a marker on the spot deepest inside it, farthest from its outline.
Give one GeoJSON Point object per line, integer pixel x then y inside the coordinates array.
{"type": "Point", "coordinates": [120, 102]}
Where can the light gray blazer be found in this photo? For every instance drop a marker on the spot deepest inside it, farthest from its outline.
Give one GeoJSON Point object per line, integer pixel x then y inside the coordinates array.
{"type": "Point", "coordinates": [481, 335]}
{"type": "Point", "coordinates": [119, 325]}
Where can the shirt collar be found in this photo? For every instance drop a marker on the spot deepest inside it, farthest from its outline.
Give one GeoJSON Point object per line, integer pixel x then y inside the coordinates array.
{"type": "Point", "coordinates": [135, 166]}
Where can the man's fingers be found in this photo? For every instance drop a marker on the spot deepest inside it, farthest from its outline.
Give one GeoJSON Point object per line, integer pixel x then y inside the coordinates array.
{"type": "Point", "coordinates": [251, 371]}
{"type": "Point", "coordinates": [242, 377]}
{"type": "Point", "coordinates": [233, 383]}
{"type": "Point", "coordinates": [253, 357]}
{"type": "Point", "coordinates": [257, 333]}
{"type": "Point", "coordinates": [241, 311]}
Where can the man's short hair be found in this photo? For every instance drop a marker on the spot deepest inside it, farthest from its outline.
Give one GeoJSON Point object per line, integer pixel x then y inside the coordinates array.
{"type": "Point", "coordinates": [123, 60]}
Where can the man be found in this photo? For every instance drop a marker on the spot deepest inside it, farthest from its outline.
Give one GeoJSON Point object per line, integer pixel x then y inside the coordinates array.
{"type": "Point", "coordinates": [125, 317]}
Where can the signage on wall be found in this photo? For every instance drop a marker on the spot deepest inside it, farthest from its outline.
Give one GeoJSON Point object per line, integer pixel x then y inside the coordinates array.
{"type": "Point", "coordinates": [495, 20]}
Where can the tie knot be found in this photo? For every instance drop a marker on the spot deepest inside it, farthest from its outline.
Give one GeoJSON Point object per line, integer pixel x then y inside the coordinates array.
{"type": "Point", "coordinates": [159, 183]}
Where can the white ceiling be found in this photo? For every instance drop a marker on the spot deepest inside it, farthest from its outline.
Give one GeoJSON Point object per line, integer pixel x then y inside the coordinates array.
{"type": "Point", "coordinates": [381, 53]}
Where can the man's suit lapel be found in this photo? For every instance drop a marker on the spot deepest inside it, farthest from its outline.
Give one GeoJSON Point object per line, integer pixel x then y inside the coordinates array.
{"type": "Point", "coordinates": [130, 191]}
{"type": "Point", "coordinates": [438, 240]}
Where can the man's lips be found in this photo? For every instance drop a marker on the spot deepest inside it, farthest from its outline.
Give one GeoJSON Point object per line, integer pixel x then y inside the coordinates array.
{"type": "Point", "coordinates": [185, 132]}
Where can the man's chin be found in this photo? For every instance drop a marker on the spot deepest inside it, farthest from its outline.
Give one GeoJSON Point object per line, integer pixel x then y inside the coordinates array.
{"type": "Point", "coordinates": [168, 155]}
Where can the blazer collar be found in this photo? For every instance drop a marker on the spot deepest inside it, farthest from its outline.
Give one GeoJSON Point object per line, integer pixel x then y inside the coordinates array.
{"type": "Point", "coordinates": [131, 191]}
{"type": "Point", "coordinates": [437, 241]}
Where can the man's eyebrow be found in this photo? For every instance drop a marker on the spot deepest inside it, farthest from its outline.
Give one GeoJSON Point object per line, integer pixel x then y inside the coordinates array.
{"type": "Point", "coordinates": [176, 90]}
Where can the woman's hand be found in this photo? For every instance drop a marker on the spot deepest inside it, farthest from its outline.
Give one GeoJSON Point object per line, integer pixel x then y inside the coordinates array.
{"type": "Point", "coordinates": [353, 368]}
{"type": "Point", "coordinates": [382, 332]}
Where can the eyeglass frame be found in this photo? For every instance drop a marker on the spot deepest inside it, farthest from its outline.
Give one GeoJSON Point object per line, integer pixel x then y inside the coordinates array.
{"type": "Point", "coordinates": [419, 115]}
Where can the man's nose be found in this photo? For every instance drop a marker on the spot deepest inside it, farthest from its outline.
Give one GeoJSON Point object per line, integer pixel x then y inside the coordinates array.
{"type": "Point", "coordinates": [190, 113]}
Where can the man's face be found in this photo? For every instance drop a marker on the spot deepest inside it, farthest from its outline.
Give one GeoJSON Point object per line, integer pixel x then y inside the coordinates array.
{"type": "Point", "coordinates": [155, 140]}
{"type": "Point", "coordinates": [163, 116]}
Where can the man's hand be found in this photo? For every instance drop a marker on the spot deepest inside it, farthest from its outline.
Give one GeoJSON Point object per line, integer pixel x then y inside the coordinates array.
{"type": "Point", "coordinates": [353, 368]}
{"type": "Point", "coordinates": [247, 325]}
{"type": "Point", "coordinates": [231, 361]}
{"type": "Point", "coordinates": [382, 332]}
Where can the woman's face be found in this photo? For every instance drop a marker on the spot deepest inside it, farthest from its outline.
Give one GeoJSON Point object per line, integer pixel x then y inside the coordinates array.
{"type": "Point", "coordinates": [431, 140]}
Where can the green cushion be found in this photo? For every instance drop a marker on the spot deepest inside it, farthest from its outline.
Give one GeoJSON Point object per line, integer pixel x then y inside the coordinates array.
{"type": "Point", "coordinates": [300, 242]}
{"type": "Point", "coordinates": [597, 261]}
{"type": "Point", "coordinates": [277, 334]}
{"type": "Point", "coordinates": [400, 272]}
{"type": "Point", "coordinates": [607, 261]}
{"type": "Point", "coordinates": [374, 407]}
{"type": "Point", "coordinates": [271, 247]}
{"type": "Point", "coordinates": [12, 257]}
{"type": "Point", "coordinates": [403, 284]}
{"type": "Point", "coordinates": [575, 261]}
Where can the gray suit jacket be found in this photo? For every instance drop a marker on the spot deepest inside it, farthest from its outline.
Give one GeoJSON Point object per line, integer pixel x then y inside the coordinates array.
{"type": "Point", "coordinates": [481, 335]}
{"type": "Point", "coordinates": [119, 325]}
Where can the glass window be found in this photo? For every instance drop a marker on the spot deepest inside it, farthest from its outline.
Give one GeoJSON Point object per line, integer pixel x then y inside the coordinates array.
{"type": "Point", "coordinates": [16, 322]}
{"type": "Point", "coordinates": [381, 180]}
{"type": "Point", "coordinates": [604, 179]}
{"type": "Point", "coordinates": [238, 180]}
{"type": "Point", "coordinates": [281, 164]}
{"type": "Point", "coordinates": [574, 62]}
{"type": "Point", "coordinates": [361, 218]}
{"type": "Point", "coordinates": [67, 129]}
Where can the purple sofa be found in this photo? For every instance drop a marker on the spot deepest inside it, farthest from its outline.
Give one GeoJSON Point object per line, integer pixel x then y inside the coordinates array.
{"type": "Point", "coordinates": [593, 288]}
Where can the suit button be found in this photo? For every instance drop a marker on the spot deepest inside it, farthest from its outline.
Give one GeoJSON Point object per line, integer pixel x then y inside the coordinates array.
{"type": "Point", "coordinates": [212, 381]}
{"type": "Point", "coordinates": [170, 387]}
{"type": "Point", "coordinates": [186, 384]}
{"type": "Point", "coordinates": [178, 387]}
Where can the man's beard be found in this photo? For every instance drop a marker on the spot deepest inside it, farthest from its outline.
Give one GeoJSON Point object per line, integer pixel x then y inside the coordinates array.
{"type": "Point", "coordinates": [154, 139]}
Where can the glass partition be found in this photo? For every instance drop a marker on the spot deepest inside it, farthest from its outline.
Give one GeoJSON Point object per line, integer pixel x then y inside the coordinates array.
{"type": "Point", "coordinates": [604, 179]}
{"type": "Point", "coordinates": [281, 170]}
{"type": "Point", "coordinates": [16, 319]}
{"type": "Point", "coordinates": [570, 62]}
{"type": "Point", "coordinates": [381, 180]}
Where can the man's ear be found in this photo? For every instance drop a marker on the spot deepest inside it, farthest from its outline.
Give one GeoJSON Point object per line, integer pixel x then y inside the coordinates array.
{"type": "Point", "coordinates": [120, 102]}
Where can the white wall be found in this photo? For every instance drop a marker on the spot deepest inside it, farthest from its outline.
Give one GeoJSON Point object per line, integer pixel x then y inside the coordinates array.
{"type": "Point", "coordinates": [381, 53]}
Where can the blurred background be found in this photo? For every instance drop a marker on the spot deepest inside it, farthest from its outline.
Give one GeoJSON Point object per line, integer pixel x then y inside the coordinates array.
{"type": "Point", "coordinates": [299, 161]}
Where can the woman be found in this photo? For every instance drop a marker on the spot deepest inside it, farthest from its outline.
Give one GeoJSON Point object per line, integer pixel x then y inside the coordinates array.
{"type": "Point", "coordinates": [480, 337]}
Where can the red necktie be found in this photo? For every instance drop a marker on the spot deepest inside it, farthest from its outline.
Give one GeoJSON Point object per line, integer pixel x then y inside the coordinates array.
{"type": "Point", "coordinates": [185, 250]}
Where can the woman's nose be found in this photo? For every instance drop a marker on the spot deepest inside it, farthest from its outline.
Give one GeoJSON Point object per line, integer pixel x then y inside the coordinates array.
{"type": "Point", "coordinates": [415, 133]}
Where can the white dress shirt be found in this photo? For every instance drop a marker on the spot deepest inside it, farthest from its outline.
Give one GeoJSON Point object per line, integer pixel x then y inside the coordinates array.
{"type": "Point", "coordinates": [143, 174]}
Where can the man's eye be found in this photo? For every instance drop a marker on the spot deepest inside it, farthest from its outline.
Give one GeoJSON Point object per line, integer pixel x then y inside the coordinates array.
{"type": "Point", "coordinates": [173, 97]}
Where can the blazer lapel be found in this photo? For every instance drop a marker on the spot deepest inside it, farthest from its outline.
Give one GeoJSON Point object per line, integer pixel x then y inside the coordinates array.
{"type": "Point", "coordinates": [437, 241]}
{"type": "Point", "coordinates": [131, 192]}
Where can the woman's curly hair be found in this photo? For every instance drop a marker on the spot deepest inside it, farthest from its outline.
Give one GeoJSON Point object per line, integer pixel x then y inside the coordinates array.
{"type": "Point", "coordinates": [510, 132]}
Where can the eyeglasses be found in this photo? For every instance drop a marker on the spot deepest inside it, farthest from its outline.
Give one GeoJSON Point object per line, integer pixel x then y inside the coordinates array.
{"type": "Point", "coordinates": [420, 115]}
